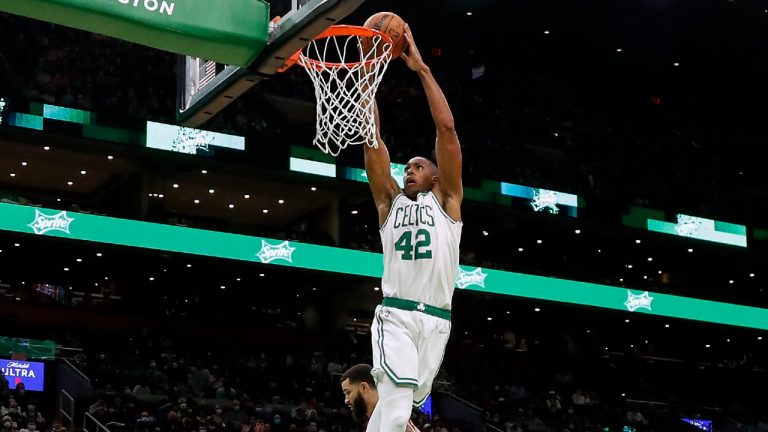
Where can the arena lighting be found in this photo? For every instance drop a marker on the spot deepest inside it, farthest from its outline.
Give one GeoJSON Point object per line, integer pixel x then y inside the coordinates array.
{"type": "Point", "coordinates": [88, 227]}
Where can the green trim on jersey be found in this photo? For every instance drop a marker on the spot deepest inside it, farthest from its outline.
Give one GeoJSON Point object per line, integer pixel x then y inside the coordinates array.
{"type": "Point", "coordinates": [391, 206]}
{"type": "Point", "coordinates": [400, 382]}
{"type": "Point", "coordinates": [442, 209]}
{"type": "Point", "coordinates": [410, 305]}
{"type": "Point", "coordinates": [418, 404]}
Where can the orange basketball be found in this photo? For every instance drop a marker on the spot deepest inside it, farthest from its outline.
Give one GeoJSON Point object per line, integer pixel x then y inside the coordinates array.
{"type": "Point", "coordinates": [391, 25]}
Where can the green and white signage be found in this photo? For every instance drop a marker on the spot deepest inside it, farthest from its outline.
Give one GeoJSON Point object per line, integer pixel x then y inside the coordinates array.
{"type": "Point", "coordinates": [78, 226]}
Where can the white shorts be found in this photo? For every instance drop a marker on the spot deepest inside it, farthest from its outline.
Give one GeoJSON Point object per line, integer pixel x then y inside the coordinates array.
{"type": "Point", "coordinates": [408, 347]}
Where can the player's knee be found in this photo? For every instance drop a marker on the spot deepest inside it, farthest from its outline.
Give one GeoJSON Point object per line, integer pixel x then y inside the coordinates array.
{"type": "Point", "coordinates": [397, 412]}
{"type": "Point", "coordinates": [399, 420]}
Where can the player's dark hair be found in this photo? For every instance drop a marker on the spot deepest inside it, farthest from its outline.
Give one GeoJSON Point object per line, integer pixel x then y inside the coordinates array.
{"type": "Point", "coordinates": [359, 373]}
{"type": "Point", "coordinates": [432, 160]}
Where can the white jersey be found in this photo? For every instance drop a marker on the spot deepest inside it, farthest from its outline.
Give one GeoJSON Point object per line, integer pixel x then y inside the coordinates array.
{"type": "Point", "coordinates": [421, 251]}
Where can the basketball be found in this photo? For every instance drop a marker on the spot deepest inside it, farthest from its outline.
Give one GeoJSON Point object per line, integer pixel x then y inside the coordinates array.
{"type": "Point", "coordinates": [391, 25]}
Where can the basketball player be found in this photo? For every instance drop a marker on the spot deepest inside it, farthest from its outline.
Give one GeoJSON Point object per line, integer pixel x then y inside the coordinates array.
{"type": "Point", "coordinates": [360, 393]}
{"type": "Point", "coordinates": [420, 233]}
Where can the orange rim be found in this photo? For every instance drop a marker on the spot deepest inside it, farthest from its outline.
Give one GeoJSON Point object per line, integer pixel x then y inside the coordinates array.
{"type": "Point", "coordinates": [340, 30]}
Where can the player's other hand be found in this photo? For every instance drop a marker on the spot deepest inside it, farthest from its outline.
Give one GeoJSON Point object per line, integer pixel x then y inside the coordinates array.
{"type": "Point", "coordinates": [410, 427]}
{"type": "Point", "coordinates": [411, 55]}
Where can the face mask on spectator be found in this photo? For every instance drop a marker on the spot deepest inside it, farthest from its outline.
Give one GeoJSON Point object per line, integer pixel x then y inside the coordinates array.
{"type": "Point", "coordinates": [236, 407]}
{"type": "Point", "coordinates": [7, 425]}
{"type": "Point", "coordinates": [218, 411]}
{"type": "Point", "coordinates": [183, 406]}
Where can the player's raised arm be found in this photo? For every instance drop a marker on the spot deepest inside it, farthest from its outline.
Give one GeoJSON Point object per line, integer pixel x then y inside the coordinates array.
{"type": "Point", "coordinates": [447, 147]}
{"type": "Point", "coordinates": [383, 186]}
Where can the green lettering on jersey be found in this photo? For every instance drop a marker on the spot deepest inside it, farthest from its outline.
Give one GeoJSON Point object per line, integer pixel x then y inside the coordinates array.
{"type": "Point", "coordinates": [405, 245]}
{"type": "Point", "coordinates": [423, 240]}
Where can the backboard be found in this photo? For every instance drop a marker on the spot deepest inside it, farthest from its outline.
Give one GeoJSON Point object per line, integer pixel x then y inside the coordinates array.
{"type": "Point", "coordinates": [206, 87]}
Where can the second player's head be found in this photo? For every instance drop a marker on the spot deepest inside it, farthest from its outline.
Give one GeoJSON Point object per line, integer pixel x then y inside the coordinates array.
{"type": "Point", "coordinates": [420, 176]}
{"type": "Point", "coordinates": [359, 388]}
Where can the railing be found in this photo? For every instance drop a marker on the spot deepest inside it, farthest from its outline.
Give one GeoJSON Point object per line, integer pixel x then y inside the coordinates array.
{"type": "Point", "coordinates": [491, 428]}
{"type": "Point", "coordinates": [464, 402]}
{"type": "Point", "coordinates": [460, 412]}
{"type": "Point", "coordinates": [89, 420]}
{"type": "Point", "coordinates": [79, 372]}
{"type": "Point", "coordinates": [66, 409]}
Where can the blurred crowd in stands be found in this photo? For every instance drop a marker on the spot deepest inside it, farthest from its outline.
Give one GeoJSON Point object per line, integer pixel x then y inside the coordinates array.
{"type": "Point", "coordinates": [156, 381]}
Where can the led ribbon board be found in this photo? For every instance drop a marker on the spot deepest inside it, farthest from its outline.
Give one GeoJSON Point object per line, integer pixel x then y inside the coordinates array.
{"type": "Point", "coordinates": [188, 140]}
{"type": "Point", "coordinates": [40, 221]}
{"type": "Point", "coordinates": [543, 200]}
{"type": "Point", "coordinates": [3, 106]}
{"type": "Point", "coordinates": [358, 174]}
{"type": "Point", "coordinates": [702, 229]}
{"type": "Point", "coordinates": [687, 226]}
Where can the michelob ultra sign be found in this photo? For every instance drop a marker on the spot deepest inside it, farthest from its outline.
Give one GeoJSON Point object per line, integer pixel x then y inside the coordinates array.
{"type": "Point", "coordinates": [32, 374]}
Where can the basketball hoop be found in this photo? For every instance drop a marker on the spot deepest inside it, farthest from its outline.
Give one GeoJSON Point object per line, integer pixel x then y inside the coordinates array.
{"type": "Point", "coordinates": [346, 64]}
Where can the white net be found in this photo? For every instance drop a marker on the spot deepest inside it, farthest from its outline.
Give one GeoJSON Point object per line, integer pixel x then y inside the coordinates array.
{"type": "Point", "coordinates": [346, 70]}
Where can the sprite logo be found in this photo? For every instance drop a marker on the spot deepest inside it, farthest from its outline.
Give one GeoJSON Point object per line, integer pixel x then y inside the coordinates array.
{"type": "Point", "coordinates": [688, 226]}
{"type": "Point", "coordinates": [269, 253]}
{"type": "Point", "coordinates": [475, 277]}
{"type": "Point", "coordinates": [44, 223]}
{"type": "Point", "coordinates": [544, 200]}
{"type": "Point", "coordinates": [638, 301]}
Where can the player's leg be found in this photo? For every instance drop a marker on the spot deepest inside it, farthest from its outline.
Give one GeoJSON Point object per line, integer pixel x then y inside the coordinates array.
{"type": "Point", "coordinates": [395, 369]}
{"type": "Point", "coordinates": [431, 348]}
{"type": "Point", "coordinates": [396, 406]}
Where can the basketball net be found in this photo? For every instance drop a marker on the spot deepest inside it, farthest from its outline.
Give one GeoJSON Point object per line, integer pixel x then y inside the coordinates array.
{"type": "Point", "coordinates": [346, 77]}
